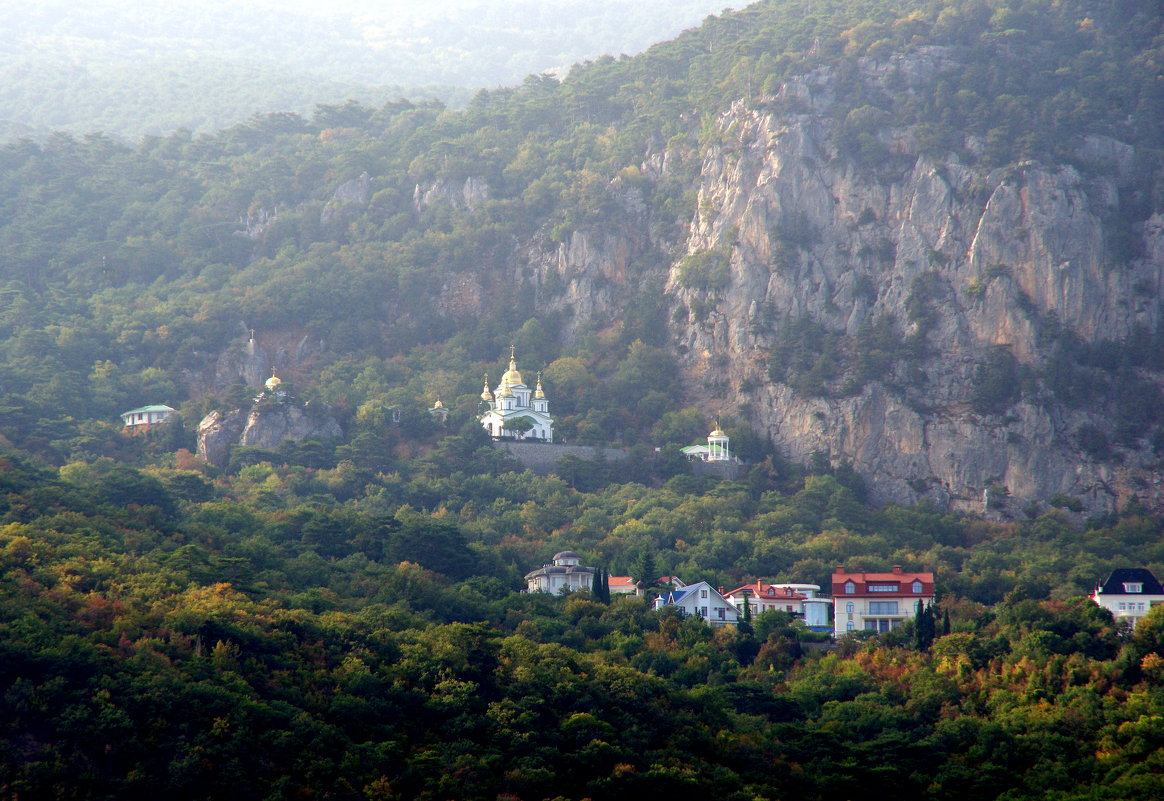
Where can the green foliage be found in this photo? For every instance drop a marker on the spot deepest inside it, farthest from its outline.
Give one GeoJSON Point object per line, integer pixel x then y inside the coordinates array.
{"type": "Point", "coordinates": [707, 271]}
{"type": "Point", "coordinates": [995, 386]}
{"type": "Point", "coordinates": [343, 620]}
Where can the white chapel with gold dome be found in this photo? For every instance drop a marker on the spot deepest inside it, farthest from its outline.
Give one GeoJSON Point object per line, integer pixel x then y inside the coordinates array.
{"type": "Point", "coordinates": [513, 399]}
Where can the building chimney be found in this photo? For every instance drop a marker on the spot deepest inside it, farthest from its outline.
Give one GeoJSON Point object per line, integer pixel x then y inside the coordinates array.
{"type": "Point", "coordinates": [840, 569]}
{"type": "Point", "coordinates": [897, 568]}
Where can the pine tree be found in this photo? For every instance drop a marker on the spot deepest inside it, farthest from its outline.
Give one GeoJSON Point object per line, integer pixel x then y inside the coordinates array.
{"type": "Point", "coordinates": [645, 569]}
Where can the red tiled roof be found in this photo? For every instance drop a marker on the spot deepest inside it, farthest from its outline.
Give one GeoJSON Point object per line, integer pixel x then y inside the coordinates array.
{"type": "Point", "coordinates": [927, 578]}
{"type": "Point", "coordinates": [898, 577]}
{"type": "Point", "coordinates": [759, 591]}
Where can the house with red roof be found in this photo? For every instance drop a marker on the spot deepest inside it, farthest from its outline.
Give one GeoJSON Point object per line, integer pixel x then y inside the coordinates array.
{"type": "Point", "coordinates": [878, 601]}
{"type": "Point", "coordinates": [626, 585]}
{"type": "Point", "coordinates": [803, 601]}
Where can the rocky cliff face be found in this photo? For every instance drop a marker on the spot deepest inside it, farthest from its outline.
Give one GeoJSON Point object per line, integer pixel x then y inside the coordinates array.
{"type": "Point", "coordinates": [957, 264]}
{"type": "Point", "coordinates": [264, 426]}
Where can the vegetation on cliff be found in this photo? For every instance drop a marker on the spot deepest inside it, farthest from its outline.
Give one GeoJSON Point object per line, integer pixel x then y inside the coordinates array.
{"type": "Point", "coordinates": [341, 619]}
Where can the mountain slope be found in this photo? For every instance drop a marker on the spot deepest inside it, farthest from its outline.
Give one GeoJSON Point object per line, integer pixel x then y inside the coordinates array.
{"type": "Point", "coordinates": [921, 238]}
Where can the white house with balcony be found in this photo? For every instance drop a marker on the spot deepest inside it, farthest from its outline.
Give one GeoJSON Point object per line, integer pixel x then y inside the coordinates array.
{"type": "Point", "coordinates": [803, 601]}
{"type": "Point", "coordinates": [878, 601]}
{"type": "Point", "coordinates": [1129, 593]}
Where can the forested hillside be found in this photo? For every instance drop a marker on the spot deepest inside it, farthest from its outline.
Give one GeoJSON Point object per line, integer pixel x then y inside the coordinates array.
{"type": "Point", "coordinates": [754, 201]}
{"type": "Point", "coordinates": [906, 254]}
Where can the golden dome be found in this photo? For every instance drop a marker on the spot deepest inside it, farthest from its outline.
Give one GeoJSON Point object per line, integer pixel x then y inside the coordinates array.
{"type": "Point", "coordinates": [504, 391]}
{"type": "Point", "coordinates": [718, 431]}
{"type": "Point", "coordinates": [538, 392]}
{"type": "Point", "coordinates": [512, 376]}
{"type": "Point", "coordinates": [438, 404]}
{"type": "Point", "coordinates": [273, 382]}
{"type": "Point", "coordinates": [486, 395]}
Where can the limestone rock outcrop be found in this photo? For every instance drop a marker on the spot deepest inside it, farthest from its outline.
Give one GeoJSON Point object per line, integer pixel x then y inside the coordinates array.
{"type": "Point", "coordinates": [217, 432]}
{"type": "Point", "coordinates": [958, 260]}
{"type": "Point", "coordinates": [265, 425]}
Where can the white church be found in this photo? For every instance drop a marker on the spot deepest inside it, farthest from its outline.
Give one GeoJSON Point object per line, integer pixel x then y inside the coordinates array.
{"type": "Point", "coordinates": [513, 399]}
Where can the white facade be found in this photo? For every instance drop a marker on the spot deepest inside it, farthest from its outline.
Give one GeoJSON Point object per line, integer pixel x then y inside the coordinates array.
{"type": "Point", "coordinates": [513, 399]}
{"type": "Point", "coordinates": [146, 415]}
{"type": "Point", "coordinates": [1129, 594]}
{"type": "Point", "coordinates": [565, 574]}
{"type": "Point", "coordinates": [700, 600]}
{"type": "Point", "coordinates": [802, 600]}
{"type": "Point", "coordinates": [878, 601]}
{"type": "Point", "coordinates": [717, 446]}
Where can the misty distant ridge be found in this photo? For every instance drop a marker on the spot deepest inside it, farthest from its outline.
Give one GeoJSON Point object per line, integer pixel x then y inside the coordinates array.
{"type": "Point", "coordinates": [130, 69]}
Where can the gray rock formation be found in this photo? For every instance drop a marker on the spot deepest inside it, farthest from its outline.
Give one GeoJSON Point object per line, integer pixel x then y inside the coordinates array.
{"type": "Point", "coordinates": [466, 194]}
{"type": "Point", "coordinates": [351, 194]}
{"type": "Point", "coordinates": [217, 432]}
{"type": "Point", "coordinates": [962, 258]}
{"type": "Point", "coordinates": [266, 425]}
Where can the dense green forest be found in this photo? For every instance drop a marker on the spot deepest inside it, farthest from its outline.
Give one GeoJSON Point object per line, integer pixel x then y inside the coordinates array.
{"type": "Point", "coordinates": [290, 631]}
{"type": "Point", "coordinates": [342, 619]}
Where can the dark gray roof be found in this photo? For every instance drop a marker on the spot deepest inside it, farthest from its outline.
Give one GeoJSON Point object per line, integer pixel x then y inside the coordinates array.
{"type": "Point", "coordinates": [565, 555]}
{"type": "Point", "coordinates": [547, 570]}
{"type": "Point", "coordinates": [1114, 583]}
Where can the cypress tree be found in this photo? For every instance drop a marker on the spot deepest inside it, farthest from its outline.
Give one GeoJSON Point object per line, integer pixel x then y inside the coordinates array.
{"type": "Point", "coordinates": [923, 626]}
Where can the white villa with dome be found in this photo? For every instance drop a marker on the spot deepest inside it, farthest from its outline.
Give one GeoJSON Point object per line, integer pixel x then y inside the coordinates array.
{"type": "Point", "coordinates": [513, 399]}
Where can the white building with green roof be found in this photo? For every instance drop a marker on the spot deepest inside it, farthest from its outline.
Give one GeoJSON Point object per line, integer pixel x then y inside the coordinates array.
{"type": "Point", "coordinates": [146, 415]}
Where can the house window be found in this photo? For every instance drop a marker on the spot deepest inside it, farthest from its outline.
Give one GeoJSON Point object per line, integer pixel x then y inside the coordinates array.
{"type": "Point", "coordinates": [849, 607]}
{"type": "Point", "coordinates": [917, 588]}
{"type": "Point", "coordinates": [883, 607]}
{"type": "Point", "coordinates": [787, 590]}
{"type": "Point", "coordinates": [1123, 606]}
{"type": "Point", "coordinates": [788, 608]}
{"type": "Point", "coordinates": [703, 611]}
{"type": "Point", "coordinates": [849, 626]}
{"type": "Point", "coordinates": [1133, 586]}
{"type": "Point", "coordinates": [878, 625]}
{"type": "Point", "coordinates": [882, 588]}
{"type": "Point", "coordinates": [721, 612]}
{"type": "Point", "coordinates": [850, 588]}
{"type": "Point", "coordinates": [703, 593]}
{"type": "Point", "coordinates": [771, 590]}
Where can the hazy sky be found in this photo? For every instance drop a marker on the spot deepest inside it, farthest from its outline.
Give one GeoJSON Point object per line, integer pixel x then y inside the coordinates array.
{"type": "Point", "coordinates": [148, 66]}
